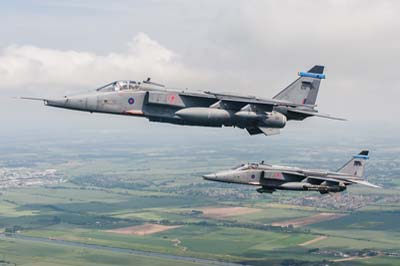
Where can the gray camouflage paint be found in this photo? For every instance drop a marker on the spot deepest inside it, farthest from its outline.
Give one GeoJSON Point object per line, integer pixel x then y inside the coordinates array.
{"type": "Point", "coordinates": [203, 108]}
{"type": "Point", "coordinates": [273, 177]}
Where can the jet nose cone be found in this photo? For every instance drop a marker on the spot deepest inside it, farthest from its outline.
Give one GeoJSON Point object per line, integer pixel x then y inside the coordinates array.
{"type": "Point", "coordinates": [209, 176]}
{"type": "Point", "coordinates": [79, 102]}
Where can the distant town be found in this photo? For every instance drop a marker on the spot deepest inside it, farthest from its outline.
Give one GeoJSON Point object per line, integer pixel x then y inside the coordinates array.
{"type": "Point", "coordinates": [22, 177]}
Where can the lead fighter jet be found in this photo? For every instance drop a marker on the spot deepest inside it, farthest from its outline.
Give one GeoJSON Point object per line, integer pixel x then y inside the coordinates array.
{"type": "Point", "coordinates": [202, 108]}
{"type": "Point", "coordinates": [270, 178]}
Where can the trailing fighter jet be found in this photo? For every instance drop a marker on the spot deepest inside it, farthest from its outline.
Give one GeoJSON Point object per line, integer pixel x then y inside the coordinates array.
{"type": "Point", "coordinates": [270, 178]}
{"type": "Point", "coordinates": [202, 108]}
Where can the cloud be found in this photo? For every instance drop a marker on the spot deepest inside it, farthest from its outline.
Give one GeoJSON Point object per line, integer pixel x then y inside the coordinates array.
{"type": "Point", "coordinates": [282, 33]}
{"type": "Point", "coordinates": [268, 41]}
{"type": "Point", "coordinates": [31, 68]}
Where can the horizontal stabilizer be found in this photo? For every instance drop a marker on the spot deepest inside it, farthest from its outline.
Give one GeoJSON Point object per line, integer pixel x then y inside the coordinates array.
{"type": "Point", "coordinates": [365, 183]}
{"type": "Point", "coordinates": [313, 113]}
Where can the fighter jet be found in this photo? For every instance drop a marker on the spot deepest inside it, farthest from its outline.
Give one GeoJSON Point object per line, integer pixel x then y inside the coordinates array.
{"type": "Point", "coordinates": [202, 108]}
{"type": "Point", "coordinates": [270, 178]}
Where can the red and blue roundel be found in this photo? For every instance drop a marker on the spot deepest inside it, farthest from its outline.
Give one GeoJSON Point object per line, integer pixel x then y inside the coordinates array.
{"type": "Point", "coordinates": [131, 101]}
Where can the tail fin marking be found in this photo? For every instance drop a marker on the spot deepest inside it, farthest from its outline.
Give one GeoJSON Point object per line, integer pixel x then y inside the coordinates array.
{"type": "Point", "coordinates": [356, 165]}
{"type": "Point", "coordinates": [303, 90]}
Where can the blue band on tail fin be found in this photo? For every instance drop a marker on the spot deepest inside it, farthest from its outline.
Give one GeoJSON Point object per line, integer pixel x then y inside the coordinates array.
{"type": "Point", "coordinates": [366, 157]}
{"type": "Point", "coordinates": [312, 75]}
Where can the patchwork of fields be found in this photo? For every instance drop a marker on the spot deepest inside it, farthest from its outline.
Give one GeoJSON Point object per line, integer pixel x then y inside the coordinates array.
{"type": "Point", "coordinates": [157, 203]}
{"type": "Point", "coordinates": [106, 217]}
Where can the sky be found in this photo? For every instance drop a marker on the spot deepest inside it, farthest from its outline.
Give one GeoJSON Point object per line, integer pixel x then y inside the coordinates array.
{"type": "Point", "coordinates": [54, 48]}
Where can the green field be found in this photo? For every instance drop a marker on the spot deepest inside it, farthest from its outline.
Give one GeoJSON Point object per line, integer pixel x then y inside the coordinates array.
{"type": "Point", "coordinates": [37, 254]}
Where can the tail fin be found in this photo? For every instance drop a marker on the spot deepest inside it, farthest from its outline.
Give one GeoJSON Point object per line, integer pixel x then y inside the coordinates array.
{"type": "Point", "coordinates": [303, 90]}
{"type": "Point", "coordinates": [355, 166]}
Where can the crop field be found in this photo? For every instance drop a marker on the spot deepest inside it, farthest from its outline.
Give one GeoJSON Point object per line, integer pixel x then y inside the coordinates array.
{"type": "Point", "coordinates": [316, 218]}
{"type": "Point", "coordinates": [142, 230]}
{"type": "Point", "coordinates": [213, 212]}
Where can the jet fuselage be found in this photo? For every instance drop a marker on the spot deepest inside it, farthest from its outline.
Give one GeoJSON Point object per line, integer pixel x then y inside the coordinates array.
{"type": "Point", "coordinates": [273, 177]}
{"type": "Point", "coordinates": [202, 108]}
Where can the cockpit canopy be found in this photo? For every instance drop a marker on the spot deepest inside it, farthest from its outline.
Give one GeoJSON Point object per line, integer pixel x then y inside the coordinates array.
{"type": "Point", "coordinates": [119, 86]}
{"type": "Point", "coordinates": [243, 167]}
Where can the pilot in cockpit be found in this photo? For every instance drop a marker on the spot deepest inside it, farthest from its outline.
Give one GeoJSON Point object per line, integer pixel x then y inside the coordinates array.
{"type": "Point", "coordinates": [119, 86]}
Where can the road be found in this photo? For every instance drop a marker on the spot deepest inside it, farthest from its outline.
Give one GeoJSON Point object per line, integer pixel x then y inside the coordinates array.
{"type": "Point", "coordinates": [118, 250]}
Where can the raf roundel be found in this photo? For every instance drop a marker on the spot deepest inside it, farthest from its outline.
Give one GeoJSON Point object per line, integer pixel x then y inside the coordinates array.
{"type": "Point", "coordinates": [131, 101]}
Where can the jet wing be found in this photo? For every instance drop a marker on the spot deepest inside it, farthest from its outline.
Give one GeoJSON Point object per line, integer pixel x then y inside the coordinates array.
{"type": "Point", "coordinates": [319, 180]}
{"type": "Point", "coordinates": [253, 100]}
{"type": "Point", "coordinates": [314, 113]}
{"type": "Point", "coordinates": [238, 101]}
